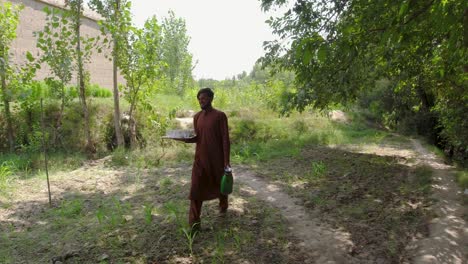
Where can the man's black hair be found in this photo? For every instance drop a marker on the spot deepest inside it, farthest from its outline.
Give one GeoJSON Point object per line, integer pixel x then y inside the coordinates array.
{"type": "Point", "coordinates": [206, 91]}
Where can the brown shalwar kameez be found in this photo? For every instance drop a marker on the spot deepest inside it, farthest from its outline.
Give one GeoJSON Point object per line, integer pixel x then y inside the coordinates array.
{"type": "Point", "coordinates": [211, 156]}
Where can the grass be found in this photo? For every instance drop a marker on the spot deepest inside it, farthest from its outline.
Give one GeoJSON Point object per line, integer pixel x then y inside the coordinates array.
{"type": "Point", "coordinates": [142, 226]}
{"type": "Point", "coordinates": [462, 179]}
{"type": "Point", "coordinates": [6, 177]}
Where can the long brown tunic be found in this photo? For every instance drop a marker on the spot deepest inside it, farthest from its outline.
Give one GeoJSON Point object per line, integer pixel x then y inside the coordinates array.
{"type": "Point", "coordinates": [211, 154]}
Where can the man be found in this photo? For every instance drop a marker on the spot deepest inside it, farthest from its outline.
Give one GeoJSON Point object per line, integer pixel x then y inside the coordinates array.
{"type": "Point", "coordinates": [212, 156]}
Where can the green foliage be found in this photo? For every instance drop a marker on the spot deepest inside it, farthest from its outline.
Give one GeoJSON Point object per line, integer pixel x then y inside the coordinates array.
{"type": "Point", "coordinates": [97, 91]}
{"type": "Point", "coordinates": [189, 236]}
{"type": "Point", "coordinates": [57, 46]}
{"type": "Point", "coordinates": [10, 79]}
{"type": "Point", "coordinates": [120, 157]}
{"type": "Point", "coordinates": [70, 208]}
{"type": "Point", "coordinates": [175, 56]}
{"type": "Point", "coordinates": [112, 215]}
{"type": "Point", "coordinates": [318, 169]}
{"type": "Point", "coordinates": [340, 50]}
{"type": "Point", "coordinates": [148, 213]}
{"type": "Point", "coordinates": [462, 179]}
{"type": "Point", "coordinates": [140, 66]}
{"type": "Point", "coordinates": [6, 176]}
{"type": "Point", "coordinates": [9, 17]}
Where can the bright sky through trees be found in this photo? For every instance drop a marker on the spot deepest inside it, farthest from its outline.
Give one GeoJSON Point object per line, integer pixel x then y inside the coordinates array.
{"type": "Point", "coordinates": [226, 36]}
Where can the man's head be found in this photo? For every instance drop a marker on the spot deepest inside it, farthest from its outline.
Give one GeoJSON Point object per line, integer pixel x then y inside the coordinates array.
{"type": "Point", "coordinates": [205, 97]}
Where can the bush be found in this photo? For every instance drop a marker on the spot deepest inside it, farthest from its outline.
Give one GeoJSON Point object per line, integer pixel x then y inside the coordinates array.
{"type": "Point", "coordinates": [120, 157]}
{"type": "Point", "coordinates": [95, 90]}
{"type": "Point", "coordinates": [462, 179]}
{"type": "Point", "coordinates": [244, 130]}
{"type": "Point", "coordinates": [6, 175]}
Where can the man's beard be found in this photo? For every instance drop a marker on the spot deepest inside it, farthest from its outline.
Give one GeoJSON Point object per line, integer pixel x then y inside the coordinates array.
{"type": "Point", "coordinates": [207, 106]}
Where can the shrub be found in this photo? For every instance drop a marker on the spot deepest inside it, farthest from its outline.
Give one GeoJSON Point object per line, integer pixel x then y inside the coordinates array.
{"type": "Point", "coordinates": [462, 179]}
{"type": "Point", "coordinates": [95, 90]}
{"type": "Point", "coordinates": [244, 130]}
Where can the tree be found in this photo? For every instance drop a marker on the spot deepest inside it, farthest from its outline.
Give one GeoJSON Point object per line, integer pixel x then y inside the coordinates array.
{"type": "Point", "coordinates": [175, 53]}
{"type": "Point", "coordinates": [82, 54]}
{"type": "Point", "coordinates": [140, 66]}
{"type": "Point", "coordinates": [117, 21]}
{"type": "Point", "coordinates": [57, 45]}
{"type": "Point", "coordinates": [339, 49]}
{"type": "Point", "coordinates": [9, 18]}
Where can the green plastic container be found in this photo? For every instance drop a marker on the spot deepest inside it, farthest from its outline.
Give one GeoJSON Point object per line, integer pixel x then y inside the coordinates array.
{"type": "Point", "coordinates": [227, 182]}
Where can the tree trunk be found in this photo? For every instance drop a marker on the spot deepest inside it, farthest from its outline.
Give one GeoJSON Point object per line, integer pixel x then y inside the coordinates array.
{"type": "Point", "coordinates": [58, 124]}
{"type": "Point", "coordinates": [6, 101]}
{"type": "Point", "coordinates": [132, 123]}
{"type": "Point", "coordinates": [117, 127]}
{"type": "Point", "coordinates": [6, 105]}
{"type": "Point", "coordinates": [90, 148]}
{"type": "Point", "coordinates": [465, 35]}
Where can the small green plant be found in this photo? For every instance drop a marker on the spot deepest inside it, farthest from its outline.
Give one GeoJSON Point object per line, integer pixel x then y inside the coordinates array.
{"type": "Point", "coordinates": [174, 213]}
{"type": "Point", "coordinates": [120, 157]}
{"type": "Point", "coordinates": [318, 170]}
{"type": "Point", "coordinates": [5, 176]}
{"type": "Point", "coordinates": [220, 247]}
{"type": "Point", "coordinates": [100, 214]}
{"type": "Point", "coordinates": [148, 212]}
{"type": "Point", "coordinates": [462, 179]}
{"type": "Point", "coordinates": [300, 126]}
{"type": "Point", "coordinates": [236, 236]}
{"type": "Point", "coordinates": [189, 235]}
{"type": "Point", "coordinates": [70, 209]}
{"type": "Point", "coordinates": [165, 185]}
{"type": "Point", "coordinates": [112, 215]}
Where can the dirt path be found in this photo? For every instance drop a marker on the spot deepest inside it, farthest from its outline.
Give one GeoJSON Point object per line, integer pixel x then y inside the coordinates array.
{"type": "Point", "coordinates": [448, 239]}
{"type": "Point", "coordinates": [324, 243]}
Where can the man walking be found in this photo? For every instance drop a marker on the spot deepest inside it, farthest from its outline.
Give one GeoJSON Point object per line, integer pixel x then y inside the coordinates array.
{"type": "Point", "coordinates": [212, 156]}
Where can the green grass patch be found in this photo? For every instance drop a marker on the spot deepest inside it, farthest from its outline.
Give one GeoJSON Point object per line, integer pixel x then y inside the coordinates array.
{"type": "Point", "coordinates": [462, 179]}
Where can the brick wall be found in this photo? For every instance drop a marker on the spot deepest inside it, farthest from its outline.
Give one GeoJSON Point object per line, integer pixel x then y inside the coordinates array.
{"type": "Point", "coordinates": [32, 19]}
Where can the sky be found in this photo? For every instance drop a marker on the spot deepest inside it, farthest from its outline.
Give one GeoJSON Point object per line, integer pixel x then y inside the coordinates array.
{"type": "Point", "coordinates": [226, 35]}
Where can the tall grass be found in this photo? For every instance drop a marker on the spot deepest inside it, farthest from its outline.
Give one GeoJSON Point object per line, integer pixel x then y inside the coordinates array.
{"type": "Point", "coordinates": [6, 176]}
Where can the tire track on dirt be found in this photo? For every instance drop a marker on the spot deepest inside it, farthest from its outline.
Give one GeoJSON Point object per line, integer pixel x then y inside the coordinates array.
{"type": "Point", "coordinates": [326, 245]}
{"type": "Point", "coordinates": [448, 231]}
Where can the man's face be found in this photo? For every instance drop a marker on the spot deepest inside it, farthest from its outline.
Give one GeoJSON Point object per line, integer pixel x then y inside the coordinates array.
{"type": "Point", "coordinates": [204, 100]}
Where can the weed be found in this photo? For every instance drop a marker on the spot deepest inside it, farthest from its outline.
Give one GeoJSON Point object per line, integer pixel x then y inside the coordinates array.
{"type": "Point", "coordinates": [120, 157]}
{"type": "Point", "coordinates": [165, 185]}
{"type": "Point", "coordinates": [70, 209]}
{"type": "Point", "coordinates": [6, 176]}
{"type": "Point", "coordinates": [112, 215]}
{"type": "Point", "coordinates": [100, 214]}
{"type": "Point", "coordinates": [148, 212]}
{"type": "Point", "coordinates": [300, 126]}
{"type": "Point", "coordinates": [220, 247]}
{"type": "Point", "coordinates": [317, 170]}
{"type": "Point", "coordinates": [236, 236]}
{"type": "Point", "coordinates": [189, 235]}
{"type": "Point", "coordinates": [462, 179]}
{"type": "Point", "coordinates": [174, 212]}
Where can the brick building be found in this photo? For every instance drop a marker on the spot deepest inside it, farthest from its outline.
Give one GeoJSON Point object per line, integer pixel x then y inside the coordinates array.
{"type": "Point", "coordinates": [32, 18]}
